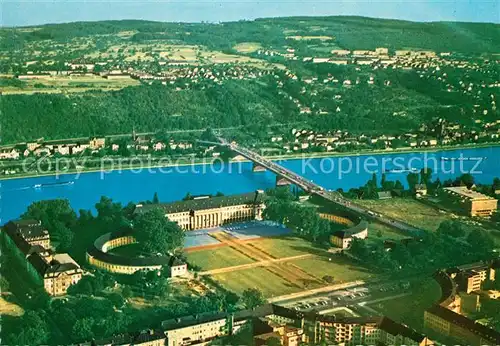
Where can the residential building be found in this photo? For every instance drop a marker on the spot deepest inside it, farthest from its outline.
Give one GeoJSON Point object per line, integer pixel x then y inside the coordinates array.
{"type": "Point", "coordinates": [206, 211]}
{"type": "Point", "coordinates": [97, 143]}
{"type": "Point", "coordinates": [10, 154]}
{"type": "Point", "coordinates": [196, 330]}
{"type": "Point", "coordinates": [470, 277]}
{"type": "Point", "coordinates": [291, 327]}
{"type": "Point", "coordinates": [459, 327]}
{"type": "Point", "coordinates": [473, 202]}
{"type": "Point", "coordinates": [421, 190]}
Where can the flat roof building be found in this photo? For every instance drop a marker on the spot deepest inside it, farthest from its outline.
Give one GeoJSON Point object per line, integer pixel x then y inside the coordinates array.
{"type": "Point", "coordinates": [473, 202]}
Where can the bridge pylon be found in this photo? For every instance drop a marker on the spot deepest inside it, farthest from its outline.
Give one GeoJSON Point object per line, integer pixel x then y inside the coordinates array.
{"type": "Point", "coordinates": [281, 181]}
{"type": "Point", "coordinates": [258, 168]}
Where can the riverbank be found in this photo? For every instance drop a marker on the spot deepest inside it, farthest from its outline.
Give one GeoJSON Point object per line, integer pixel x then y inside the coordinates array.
{"type": "Point", "coordinates": [209, 161]}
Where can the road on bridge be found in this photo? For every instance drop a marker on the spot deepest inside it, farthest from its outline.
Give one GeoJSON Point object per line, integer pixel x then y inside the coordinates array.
{"type": "Point", "coordinates": [318, 190]}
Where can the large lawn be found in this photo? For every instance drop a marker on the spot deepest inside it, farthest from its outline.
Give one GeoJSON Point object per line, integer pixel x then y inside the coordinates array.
{"type": "Point", "coordinates": [286, 247]}
{"type": "Point", "coordinates": [377, 231]}
{"type": "Point", "coordinates": [410, 309]}
{"type": "Point", "coordinates": [342, 269]}
{"type": "Point", "coordinates": [220, 257]}
{"type": "Point", "coordinates": [270, 284]}
{"type": "Point", "coordinates": [408, 210]}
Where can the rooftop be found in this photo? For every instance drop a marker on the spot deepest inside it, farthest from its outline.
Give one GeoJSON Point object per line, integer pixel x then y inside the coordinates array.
{"type": "Point", "coordinates": [29, 229]}
{"type": "Point", "coordinates": [205, 203]}
{"type": "Point", "coordinates": [467, 193]}
{"type": "Point", "coordinates": [349, 232]}
{"type": "Point", "coordinates": [96, 251]}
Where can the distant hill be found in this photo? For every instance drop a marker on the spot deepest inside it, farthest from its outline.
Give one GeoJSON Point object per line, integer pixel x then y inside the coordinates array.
{"type": "Point", "coordinates": [347, 32]}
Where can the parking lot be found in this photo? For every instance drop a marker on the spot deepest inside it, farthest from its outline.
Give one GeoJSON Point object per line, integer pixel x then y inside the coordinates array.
{"type": "Point", "coordinates": [354, 299]}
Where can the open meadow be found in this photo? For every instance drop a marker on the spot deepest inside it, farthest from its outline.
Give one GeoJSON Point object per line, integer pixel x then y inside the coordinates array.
{"type": "Point", "coordinates": [408, 210]}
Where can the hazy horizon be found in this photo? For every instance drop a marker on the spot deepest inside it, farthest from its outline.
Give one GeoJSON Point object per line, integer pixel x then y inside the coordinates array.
{"type": "Point", "coordinates": [23, 13]}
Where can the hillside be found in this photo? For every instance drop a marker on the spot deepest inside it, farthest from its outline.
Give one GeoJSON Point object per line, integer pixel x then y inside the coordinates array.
{"type": "Point", "coordinates": [99, 78]}
{"type": "Point", "coordinates": [347, 33]}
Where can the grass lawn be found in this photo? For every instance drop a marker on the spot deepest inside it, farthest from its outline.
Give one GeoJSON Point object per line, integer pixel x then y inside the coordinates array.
{"type": "Point", "coordinates": [221, 257]}
{"type": "Point", "coordinates": [286, 246]}
{"type": "Point", "coordinates": [342, 269]}
{"type": "Point", "coordinates": [410, 309]}
{"type": "Point", "coordinates": [259, 277]}
{"type": "Point", "coordinates": [9, 308]}
{"type": "Point", "coordinates": [131, 250]}
{"type": "Point", "coordinates": [377, 231]}
{"type": "Point", "coordinates": [408, 210]}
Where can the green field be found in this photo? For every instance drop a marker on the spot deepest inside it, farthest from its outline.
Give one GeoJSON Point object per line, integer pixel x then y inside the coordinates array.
{"type": "Point", "coordinates": [286, 247]}
{"type": "Point", "coordinates": [221, 257]}
{"type": "Point", "coordinates": [342, 270]}
{"type": "Point", "coordinates": [408, 210]}
{"type": "Point", "coordinates": [131, 250]}
{"type": "Point", "coordinates": [260, 278]}
{"type": "Point", "coordinates": [410, 309]}
{"type": "Point", "coordinates": [379, 232]}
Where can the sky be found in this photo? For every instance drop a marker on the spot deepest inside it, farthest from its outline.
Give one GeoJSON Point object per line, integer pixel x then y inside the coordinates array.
{"type": "Point", "coordinates": [32, 12]}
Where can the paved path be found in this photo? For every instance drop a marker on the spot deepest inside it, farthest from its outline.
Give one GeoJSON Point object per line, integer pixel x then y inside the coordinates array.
{"type": "Point", "coordinates": [311, 292]}
{"type": "Point", "coordinates": [254, 264]}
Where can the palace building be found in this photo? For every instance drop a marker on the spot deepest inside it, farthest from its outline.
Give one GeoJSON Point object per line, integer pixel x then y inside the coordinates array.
{"type": "Point", "coordinates": [208, 212]}
{"type": "Point", "coordinates": [99, 256]}
{"type": "Point", "coordinates": [30, 243]}
{"type": "Point", "coordinates": [32, 231]}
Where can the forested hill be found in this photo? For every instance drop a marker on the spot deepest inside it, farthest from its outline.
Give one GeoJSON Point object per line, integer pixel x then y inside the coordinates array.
{"type": "Point", "coordinates": [347, 32]}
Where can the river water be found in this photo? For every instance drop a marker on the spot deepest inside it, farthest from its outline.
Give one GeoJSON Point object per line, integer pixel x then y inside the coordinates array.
{"type": "Point", "coordinates": [173, 183]}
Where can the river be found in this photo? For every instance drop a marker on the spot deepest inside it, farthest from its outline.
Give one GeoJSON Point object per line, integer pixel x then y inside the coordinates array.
{"type": "Point", "coordinates": [172, 184]}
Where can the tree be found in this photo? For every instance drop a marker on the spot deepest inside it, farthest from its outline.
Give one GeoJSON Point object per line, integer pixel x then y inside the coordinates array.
{"type": "Point", "coordinates": [412, 179]}
{"type": "Point", "coordinates": [156, 200]}
{"type": "Point", "coordinates": [82, 330]}
{"type": "Point", "coordinates": [466, 179]}
{"type": "Point", "coordinates": [57, 217]}
{"type": "Point", "coordinates": [156, 234]}
{"type": "Point", "coordinates": [452, 228]}
{"type": "Point", "coordinates": [252, 297]}
{"type": "Point", "coordinates": [425, 176]}
{"type": "Point", "coordinates": [110, 213]}
{"type": "Point", "coordinates": [126, 292]}
{"type": "Point", "coordinates": [116, 299]}
{"type": "Point", "coordinates": [481, 243]}
{"type": "Point", "coordinates": [4, 284]}
{"type": "Point", "coordinates": [34, 330]}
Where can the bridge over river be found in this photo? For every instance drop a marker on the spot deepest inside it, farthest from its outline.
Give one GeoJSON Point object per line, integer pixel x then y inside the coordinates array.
{"type": "Point", "coordinates": [286, 176]}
